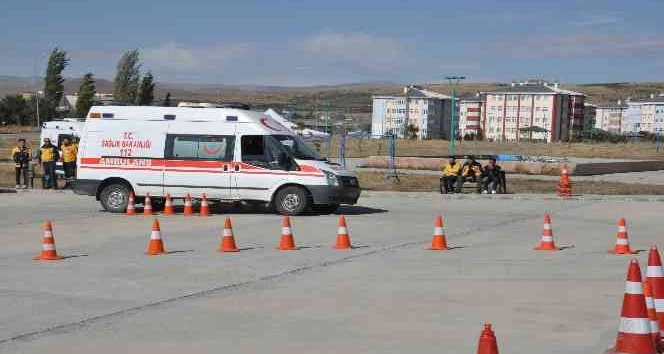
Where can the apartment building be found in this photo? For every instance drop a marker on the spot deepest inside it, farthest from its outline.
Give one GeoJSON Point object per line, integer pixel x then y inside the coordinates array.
{"type": "Point", "coordinates": [532, 110]}
{"type": "Point", "coordinates": [470, 115]}
{"type": "Point", "coordinates": [429, 111]}
{"type": "Point", "coordinates": [612, 118]}
{"type": "Point", "coordinates": [645, 115]}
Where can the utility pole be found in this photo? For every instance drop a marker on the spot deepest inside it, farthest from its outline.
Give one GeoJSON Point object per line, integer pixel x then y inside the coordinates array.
{"type": "Point", "coordinates": [453, 80]}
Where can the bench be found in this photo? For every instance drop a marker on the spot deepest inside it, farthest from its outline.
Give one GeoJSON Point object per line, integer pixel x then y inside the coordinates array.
{"type": "Point", "coordinates": [33, 174]}
{"type": "Point", "coordinates": [501, 188]}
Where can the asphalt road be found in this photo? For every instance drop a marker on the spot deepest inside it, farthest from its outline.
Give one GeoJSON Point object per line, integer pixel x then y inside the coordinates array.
{"type": "Point", "coordinates": [389, 295]}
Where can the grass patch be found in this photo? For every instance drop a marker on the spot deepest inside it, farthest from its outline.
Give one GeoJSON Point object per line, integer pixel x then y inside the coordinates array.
{"type": "Point", "coordinates": [426, 183]}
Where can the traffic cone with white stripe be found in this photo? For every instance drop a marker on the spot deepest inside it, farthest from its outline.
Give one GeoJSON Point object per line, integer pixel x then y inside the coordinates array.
{"type": "Point", "coordinates": [652, 314]}
{"type": "Point", "coordinates": [634, 331]}
{"type": "Point", "coordinates": [168, 205]}
{"type": "Point", "coordinates": [205, 207]}
{"type": "Point", "coordinates": [188, 209]}
{"type": "Point", "coordinates": [147, 205]}
{"type": "Point", "coordinates": [487, 343]}
{"type": "Point", "coordinates": [656, 280]}
{"type": "Point", "coordinates": [546, 243]}
{"type": "Point", "coordinates": [131, 209]}
{"type": "Point", "coordinates": [438, 242]}
{"type": "Point", "coordinates": [343, 238]}
{"type": "Point", "coordinates": [287, 242]}
{"type": "Point", "coordinates": [227, 239]}
{"type": "Point", "coordinates": [48, 252]}
{"type": "Point", "coordinates": [622, 239]}
{"type": "Point", "coordinates": [156, 245]}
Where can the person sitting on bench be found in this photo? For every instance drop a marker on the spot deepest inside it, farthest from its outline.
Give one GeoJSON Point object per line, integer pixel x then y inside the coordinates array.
{"type": "Point", "coordinates": [450, 174]}
{"type": "Point", "coordinates": [470, 172]}
{"type": "Point", "coordinates": [491, 177]}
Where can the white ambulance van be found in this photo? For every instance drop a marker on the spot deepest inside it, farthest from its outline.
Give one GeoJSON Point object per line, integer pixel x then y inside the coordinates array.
{"type": "Point", "coordinates": [228, 154]}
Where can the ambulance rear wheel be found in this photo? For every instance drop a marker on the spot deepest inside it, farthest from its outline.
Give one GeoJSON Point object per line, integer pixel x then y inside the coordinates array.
{"type": "Point", "coordinates": [114, 198]}
{"type": "Point", "coordinates": [292, 201]}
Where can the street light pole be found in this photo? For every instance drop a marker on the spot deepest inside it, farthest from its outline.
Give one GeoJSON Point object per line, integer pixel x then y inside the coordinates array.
{"type": "Point", "coordinates": [453, 80]}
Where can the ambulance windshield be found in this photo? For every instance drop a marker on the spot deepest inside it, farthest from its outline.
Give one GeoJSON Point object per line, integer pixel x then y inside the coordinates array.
{"type": "Point", "coordinates": [298, 148]}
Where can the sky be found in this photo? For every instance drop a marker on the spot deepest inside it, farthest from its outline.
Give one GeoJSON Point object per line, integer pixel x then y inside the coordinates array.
{"type": "Point", "coordinates": [312, 42]}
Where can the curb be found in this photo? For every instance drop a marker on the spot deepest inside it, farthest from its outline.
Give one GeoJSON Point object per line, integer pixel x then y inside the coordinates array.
{"type": "Point", "coordinates": [534, 197]}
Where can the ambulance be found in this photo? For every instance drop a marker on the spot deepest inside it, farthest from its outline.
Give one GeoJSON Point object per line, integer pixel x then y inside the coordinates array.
{"type": "Point", "coordinates": [228, 154]}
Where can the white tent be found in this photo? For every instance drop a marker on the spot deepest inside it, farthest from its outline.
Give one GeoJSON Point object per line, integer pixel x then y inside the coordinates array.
{"type": "Point", "coordinates": [308, 135]}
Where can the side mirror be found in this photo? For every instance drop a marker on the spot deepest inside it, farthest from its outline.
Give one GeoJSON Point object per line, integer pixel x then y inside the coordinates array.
{"type": "Point", "coordinates": [284, 161]}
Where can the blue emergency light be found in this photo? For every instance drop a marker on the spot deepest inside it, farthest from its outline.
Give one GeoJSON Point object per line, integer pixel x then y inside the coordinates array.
{"type": "Point", "coordinates": [107, 115]}
{"type": "Point", "coordinates": [169, 116]}
{"type": "Point", "coordinates": [231, 118]}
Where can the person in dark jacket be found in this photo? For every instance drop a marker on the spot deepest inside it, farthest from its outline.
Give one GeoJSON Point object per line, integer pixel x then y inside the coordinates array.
{"type": "Point", "coordinates": [491, 177]}
{"type": "Point", "coordinates": [21, 155]}
{"type": "Point", "coordinates": [48, 155]}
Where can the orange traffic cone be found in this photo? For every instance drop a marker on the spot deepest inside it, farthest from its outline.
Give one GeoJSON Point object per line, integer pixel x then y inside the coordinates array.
{"type": "Point", "coordinates": [168, 205]}
{"type": "Point", "coordinates": [131, 210]}
{"type": "Point", "coordinates": [227, 239]}
{"type": "Point", "coordinates": [564, 186]}
{"type": "Point", "coordinates": [546, 243]}
{"type": "Point", "coordinates": [438, 243]}
{"type": "Point", "coordinates": [343, 239]}
{"type": "Point", "coordinates": [622, 240]}
{"type": "Point", "coordinates": [188, 209]}
{"type": "Point", "coordinates": [287, 242]}
{"type": "Point", "coordinates": [634, 331]}
{"type": "Point", "coordinates": [48, 252]}
{"type": "Point", "coordinates": [652, 314]}
{"type": "Point", "coordinates": [156, 245]}
{"type": "Point", "coordinates": [205, 208]}
{"type": "Point", "coordinates": [147, 205]}
{"type": "Point", "coordinates": [655, 276]}
{"type": "Point", "coordinates": [487, 343]}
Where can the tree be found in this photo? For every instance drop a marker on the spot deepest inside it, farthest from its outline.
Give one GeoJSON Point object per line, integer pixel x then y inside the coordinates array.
{"type": "Point", "coordinates": [86, 95]}
{"type": "Point", "coordinates": [14, 109]}
{"type": "Point", "coordinates": [411, 131]}
{"type": "Point", "coordinates": [167, 100]}
{"type": "Point", "coordinates": [125, 84]}
{"type": "Point", "coordinates": [146, 91]}
{"type": "Point", "coordinates": [54, 87]}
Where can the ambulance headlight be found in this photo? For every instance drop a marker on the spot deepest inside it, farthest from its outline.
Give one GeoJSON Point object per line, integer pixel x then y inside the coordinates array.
{"type": "Point", "coordinates": [332, 179]}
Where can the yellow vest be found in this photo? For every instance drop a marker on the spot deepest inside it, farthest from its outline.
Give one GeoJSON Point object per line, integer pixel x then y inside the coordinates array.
{"type": "Point", "coordinates": [69, 152]}
{"type": "Point", "coordinates": [452, 170]}
{"type": "Point", "coordinates": [48, 154]}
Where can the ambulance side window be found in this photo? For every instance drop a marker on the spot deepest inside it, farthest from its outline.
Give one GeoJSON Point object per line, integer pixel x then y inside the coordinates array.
{"type": "Point", "coordinates": [200, 147]}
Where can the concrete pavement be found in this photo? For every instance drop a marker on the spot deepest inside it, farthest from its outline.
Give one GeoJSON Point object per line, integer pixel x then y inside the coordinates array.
{"type": "Point", "coordinates": [388, 296]}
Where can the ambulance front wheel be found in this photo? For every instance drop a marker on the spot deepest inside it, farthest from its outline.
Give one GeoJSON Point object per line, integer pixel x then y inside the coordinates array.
{"type": "Point", "coordinates": [114, 198]}
{"type": "Point", "coordinates": [292, 200]}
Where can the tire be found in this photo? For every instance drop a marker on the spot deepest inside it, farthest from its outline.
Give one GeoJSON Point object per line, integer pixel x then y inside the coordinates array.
{"type": "Point", "coordinates": [292, 201]}
{"type": "Point", "coordinates": [114, 198]}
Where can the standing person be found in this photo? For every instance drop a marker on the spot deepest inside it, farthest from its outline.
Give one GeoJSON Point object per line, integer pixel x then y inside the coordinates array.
{"type": "Point", "coordinates": [47, 156]}
{"type": "Point", "coordinates": [69, 151]}
{"type": "Point", "coordinates": [470, 171]}
{"type": "Point", "coordinates": [450, 174]}
{"type": "Point", "coordinates": [491, 177]}
{"type": "Point", "coordinates": [21, 155]}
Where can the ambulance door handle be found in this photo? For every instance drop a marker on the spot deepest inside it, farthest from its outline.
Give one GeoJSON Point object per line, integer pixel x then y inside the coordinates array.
{"type": "Point", "coordinates": [237, 167]}
{"type": "Point", "coordinates": [225, 168]}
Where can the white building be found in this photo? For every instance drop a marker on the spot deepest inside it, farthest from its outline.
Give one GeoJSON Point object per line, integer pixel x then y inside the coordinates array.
{"type": "Point", "coordinates": [612, 118]}
{"type": "Point", "coordinates": [646, 115]}
{"type": "Point", "coordinates": [429, 111]}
